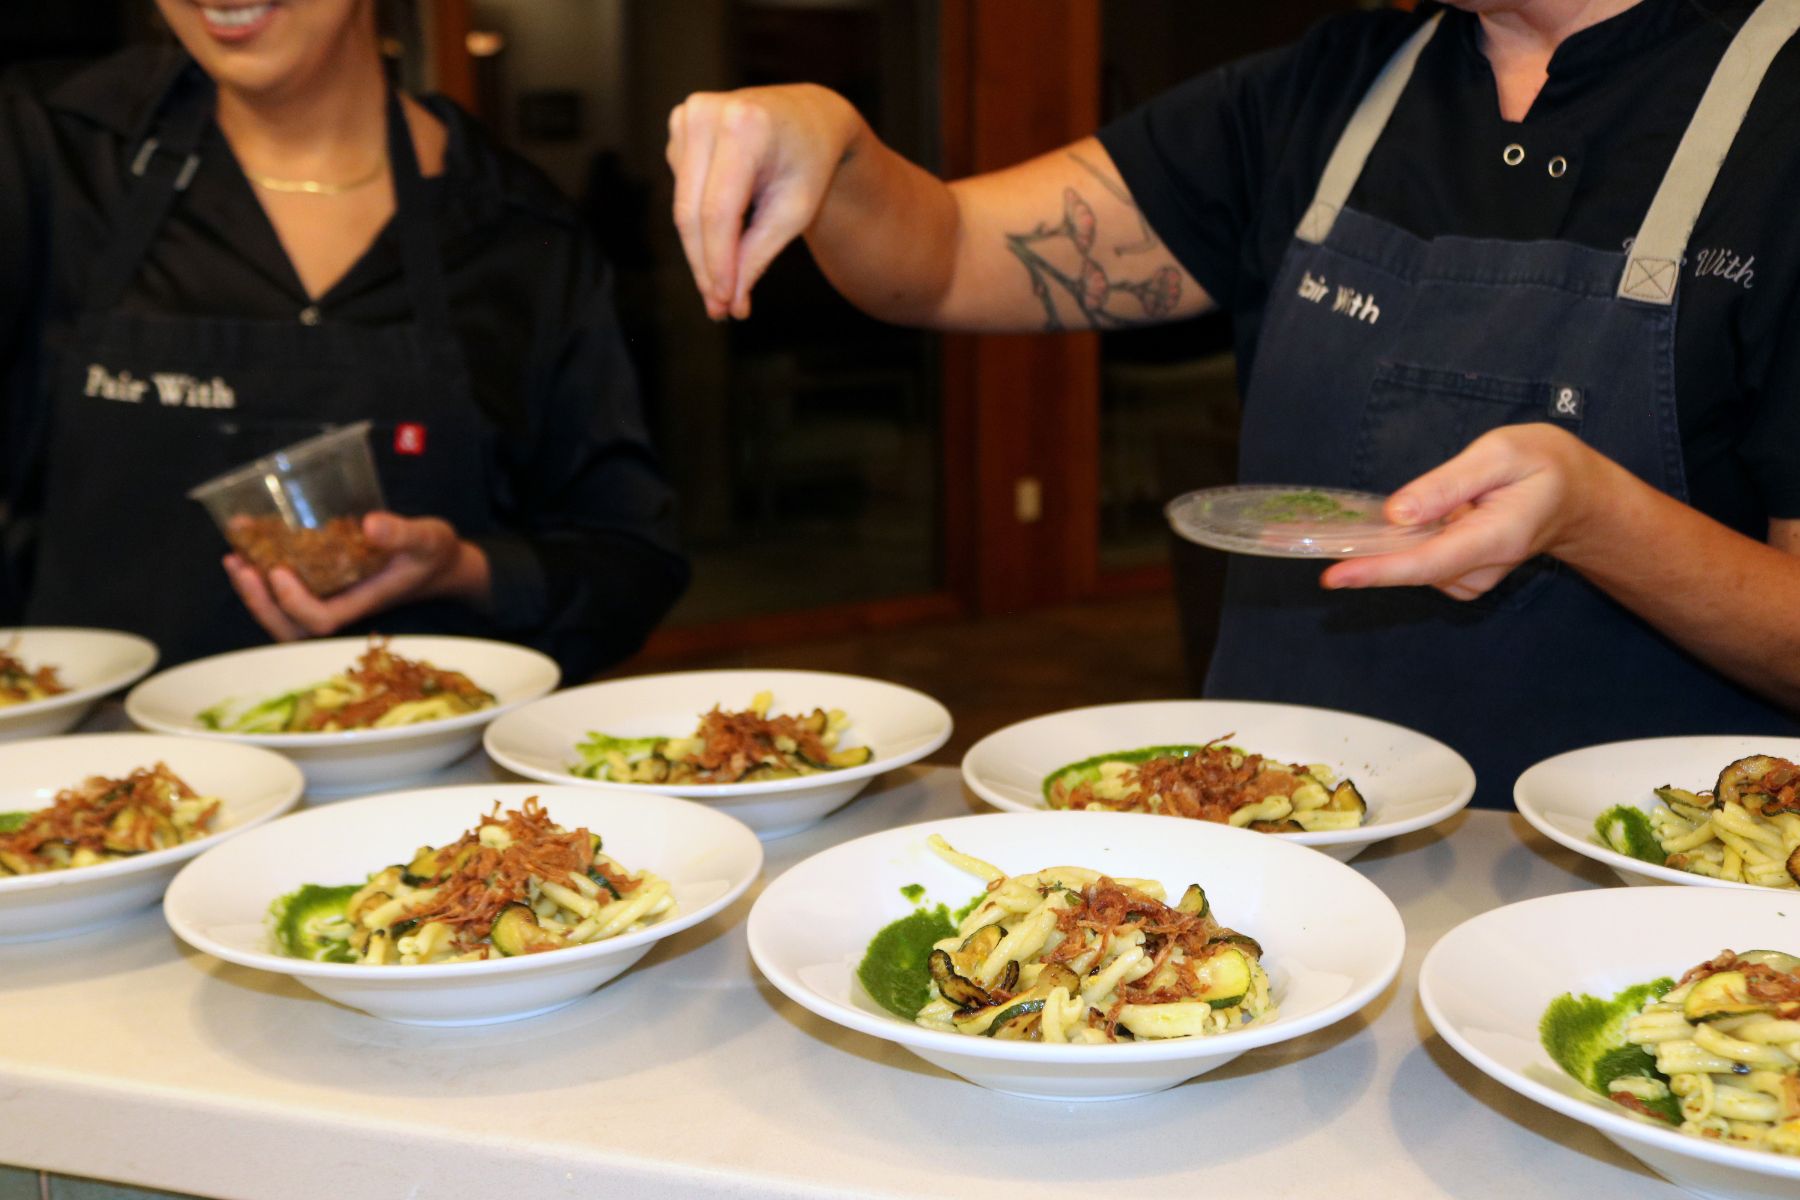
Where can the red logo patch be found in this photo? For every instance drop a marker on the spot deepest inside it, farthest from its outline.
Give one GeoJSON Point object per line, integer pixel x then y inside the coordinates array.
{"type": "Point", "coordinates": [409, 438]}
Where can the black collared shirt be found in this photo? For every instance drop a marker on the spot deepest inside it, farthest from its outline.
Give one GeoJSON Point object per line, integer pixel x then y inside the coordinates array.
{"type": "Point", "coordinates": [587, 563]}
{"type": "Point", "coordinates": [1224, 166]}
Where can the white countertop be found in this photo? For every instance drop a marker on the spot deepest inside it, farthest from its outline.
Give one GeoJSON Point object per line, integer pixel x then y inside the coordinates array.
{"type": "Point", "coordinates": [128, 1056]}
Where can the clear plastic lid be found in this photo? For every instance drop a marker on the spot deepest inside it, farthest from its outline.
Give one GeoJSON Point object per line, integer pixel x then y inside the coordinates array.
{"type": "Point", "coordinates": [1283, 521]}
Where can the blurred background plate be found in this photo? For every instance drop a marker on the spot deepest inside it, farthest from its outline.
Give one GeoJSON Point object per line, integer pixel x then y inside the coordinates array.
{"type": "Point", "coordinates": [253, 786]}
{"type": "Point", "coordinates": [171, 702]}
{"type": "Point", "coordinates": [899, 725]}
{"type": "Point", "coordinates": [89, 662]}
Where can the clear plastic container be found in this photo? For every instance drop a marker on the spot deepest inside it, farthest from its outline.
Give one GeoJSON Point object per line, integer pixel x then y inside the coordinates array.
{"type": "Point", "coordinates": [302, 508]}
{"type": "Point", "coordinates": [1290, 521]}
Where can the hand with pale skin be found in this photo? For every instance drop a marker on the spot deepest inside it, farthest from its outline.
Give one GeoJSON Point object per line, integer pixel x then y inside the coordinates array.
{"type": "Point", "coordinates": [427, 561]}
{"type": "Point", "coordinates": [772, 149]}
{"type": "Point", "coordinates": [1514, 493]}
{"type": "Point", "coordinates": [1525, 490]}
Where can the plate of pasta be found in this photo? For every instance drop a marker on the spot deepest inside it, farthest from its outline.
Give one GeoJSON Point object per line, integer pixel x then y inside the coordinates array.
{"type": "Point", "coordinates": [1076, 956]}
{"type": "Point", "coordinates": [350, 712]}
{"type": "Point", "coordinates": [463, 905]}
{"type": "Point", "coordinates": [1334, 781]}
{"type": "Point", "coordinates": [776, 749]}
{"type": "Point", "coordinates": [93, 826]}
{"type": "Point", "coordinates": [1661, 1017]}
{"type": "Point", "coordinates": [51, 678]}
{"type": "Point", "coordinates": [1707, 811]}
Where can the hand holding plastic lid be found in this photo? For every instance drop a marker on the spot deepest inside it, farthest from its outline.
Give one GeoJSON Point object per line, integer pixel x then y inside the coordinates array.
{"type": "Point", "coordinates": [1292, 521]}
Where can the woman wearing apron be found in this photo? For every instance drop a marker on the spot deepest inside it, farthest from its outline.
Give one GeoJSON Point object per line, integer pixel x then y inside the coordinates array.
{"type": "Point", "coordinates": [1528, 264]}
{"type": "Point", "coordinates": [214, 252]}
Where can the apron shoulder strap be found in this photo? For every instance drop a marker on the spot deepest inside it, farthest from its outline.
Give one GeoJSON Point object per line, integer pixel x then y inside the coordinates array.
{"type": "Point", "coordinates": [1345, 165]}
{"type": "Point", "coordinates": [162, 166]}
{"type": "Point", "coordinates": [420, 254]}
{"type": "Point", "coordinates": [1654, 264]}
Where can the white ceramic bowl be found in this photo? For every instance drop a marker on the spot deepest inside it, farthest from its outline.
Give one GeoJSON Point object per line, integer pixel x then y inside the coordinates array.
{"type": "Point", "coordinates": [220, 903]}
{"type": "Point", "coordinates": [171, 702]}
{"type": "Point", "coordinates": [1486, 983]}
{"type": "Point", "coordinates": [1331, 939]}
{"type": "Point", "coordinates": [1408, 780]}
{"type": "Point", "coordinates": [1563, 796]}
{"type": "Point", "coordinates": [899, 724]}
{"type": "Point", "coordinates": [254, 786]}
{"type": "Point", "coordinates": [90, 662]}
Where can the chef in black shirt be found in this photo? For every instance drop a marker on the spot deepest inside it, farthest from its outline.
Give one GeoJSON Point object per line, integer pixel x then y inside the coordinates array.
{"type": "Point", "coordinates": [211, 251]}
{"type": "Point", "coordinates": [1530, 265]}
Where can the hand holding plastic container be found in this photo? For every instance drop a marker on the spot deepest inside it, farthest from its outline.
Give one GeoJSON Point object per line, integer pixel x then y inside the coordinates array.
{"type": "Point", "coordinates": [302, 508]}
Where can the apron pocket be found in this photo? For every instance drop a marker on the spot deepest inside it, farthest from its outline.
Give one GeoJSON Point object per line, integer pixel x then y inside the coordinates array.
{"type": "Point", "coordinates": [1419, 417]}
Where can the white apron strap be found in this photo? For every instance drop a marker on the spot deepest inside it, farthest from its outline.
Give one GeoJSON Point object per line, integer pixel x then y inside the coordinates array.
{"type": "Point", "coordinates": [1656, 253]}
{"type": "Point", "coordinates": [1366, 123]}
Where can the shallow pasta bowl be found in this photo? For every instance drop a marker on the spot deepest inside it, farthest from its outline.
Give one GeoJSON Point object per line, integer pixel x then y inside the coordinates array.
{"type": "Point", "coordinates": [253, 786]}
{"type": "Point", "coordinates": [220, 903]}
{"type": "Point", "coordinates": [90, 662]}
{"type": "Point", "coordinates": [899, 725]}
{"type": "Point", "coordinates": [171, 702]}
{"type": "Point", "coordinates": [1408, 780]}
{"type": "Point", "coordinates": [1332, 941]}
{"type": "Point", "coordinates": [1563, 796]}
{"type": "Point", "coordinates": [1486, 983]}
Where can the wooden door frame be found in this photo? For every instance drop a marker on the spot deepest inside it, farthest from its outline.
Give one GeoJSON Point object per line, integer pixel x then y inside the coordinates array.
{"type": "Point", "coordinates": [1019, 78]}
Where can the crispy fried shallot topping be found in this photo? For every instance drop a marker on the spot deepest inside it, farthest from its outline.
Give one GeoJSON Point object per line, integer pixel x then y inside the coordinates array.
{"type": "Point", "coordinates": [1763, 982]}
{"type": "Point", "coordinates": [387, 681]}
{"type": "Point", "coordinates": [1107, 909]}
{"type": "Point", "coordinates": [84, 817]}
{"type": "Point", "coordinates": [1780, 787]}
{"type": "Point", "coordinates": [477, 881]}
{"type": "Point", "coordinates": [732, 743]}
{"type": "Point", "coordinates": [19, 682]}
{"type": "Point", "coordinates": [1205, 785]}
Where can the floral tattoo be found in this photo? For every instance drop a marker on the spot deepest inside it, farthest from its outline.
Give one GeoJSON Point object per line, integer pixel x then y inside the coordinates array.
{"type": "Point", "coordinates": [1064, 263]}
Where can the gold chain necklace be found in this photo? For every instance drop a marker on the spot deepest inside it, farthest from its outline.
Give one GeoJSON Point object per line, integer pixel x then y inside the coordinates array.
{"type": "Point", "coordinates": [313, 187]}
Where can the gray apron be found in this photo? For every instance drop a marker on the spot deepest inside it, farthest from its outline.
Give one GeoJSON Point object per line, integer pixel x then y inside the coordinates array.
{"type": "Point", "coordinates": [1382, 355]}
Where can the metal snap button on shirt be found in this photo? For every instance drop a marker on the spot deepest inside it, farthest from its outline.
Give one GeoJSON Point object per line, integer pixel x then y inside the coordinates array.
{"type": "Point", "coordinates": [1513, 155]}
{"type": "Point", "coordinates": [1559, 166]}
{"type": "Point", "coordinates": [309, 315]}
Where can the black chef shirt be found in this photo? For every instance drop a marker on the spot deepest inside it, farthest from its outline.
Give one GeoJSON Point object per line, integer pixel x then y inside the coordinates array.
{"type": "Point", "coordinates": [587, 563]}
{"type": "Point", "coordinates": [1224, 166]}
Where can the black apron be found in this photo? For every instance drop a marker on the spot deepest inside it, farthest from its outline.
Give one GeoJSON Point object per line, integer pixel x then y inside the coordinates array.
{"type": "Point", "coordinates": [1382, 355]}
{"type": "Point", "coordinates": [145, 407]}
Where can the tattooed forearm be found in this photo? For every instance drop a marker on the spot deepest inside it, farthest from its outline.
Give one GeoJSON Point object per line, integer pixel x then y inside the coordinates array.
{"type": "Point", "coordinates": [1065, 268]}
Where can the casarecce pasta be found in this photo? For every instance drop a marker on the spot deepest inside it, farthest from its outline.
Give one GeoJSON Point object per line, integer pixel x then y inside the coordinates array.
{"type": "Point", "coordinates": [1726, 1043]}
{"type": "Point", "coordinates": [381, 691]}
{"type": "Point", "coordinates": [1067, 954]}
{"type": "Point", "coordinates": [20, 684]}
{"type": "Point", "coordinates": [1747, 829]}
{"type": "Point", "coordinates": [728, 747]}
{"type": "Point", "coordinates": [1211, 782]}
{"type": "Point", "coordinates": [515, 884]}
{"type": "Point", "coordinates": [101, 820]}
